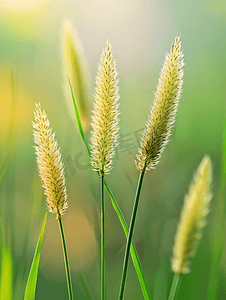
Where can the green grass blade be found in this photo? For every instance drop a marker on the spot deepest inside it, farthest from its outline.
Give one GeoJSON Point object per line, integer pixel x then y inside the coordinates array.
{"type": "Point", "coordinates": [6, 281]}
{"type": "Point", "coordinates": [115, 205]}
{"type": "Point", "coordinates": [85, 287]}
{"type": "Point", "coordinates": [133, 251]}
{"type": "Point", "coordinates": [33, 275]}
{"type": "Point", "coordinates": [78, 118]}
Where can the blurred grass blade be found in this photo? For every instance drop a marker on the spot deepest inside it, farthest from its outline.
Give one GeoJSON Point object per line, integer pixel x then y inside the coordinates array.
{"type": "Point", "coordinates": [32, 278]}
{"type": "Point", "coordinates": [115, 205]}
{"type": "Point", "coordinates": [218, 232]}
{"type": "Point", "coordinates": [11, 132]}
{"type": "Point", "coordinates": [4, 166]}
{"type": "Point", "coordinates": [85, 287]}
{"type": "Point", "coordinates": [6, 284]}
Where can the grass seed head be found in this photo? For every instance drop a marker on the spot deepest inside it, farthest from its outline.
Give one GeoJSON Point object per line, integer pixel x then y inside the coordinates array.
{"type": "Point", "coordinates": [105, 115]}
{"type": "Point", "coordinates": [162, 117]}
{"type": "Point", "coordinates": [50, 166]}
{"type": "Point", "coordinates": [193, 218]}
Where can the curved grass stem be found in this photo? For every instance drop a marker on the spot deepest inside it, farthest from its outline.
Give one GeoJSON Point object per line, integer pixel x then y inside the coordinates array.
{"type": "Point", "coordinates": [66, 261]}
{"type": "Point", "coordinates": [130, 234]}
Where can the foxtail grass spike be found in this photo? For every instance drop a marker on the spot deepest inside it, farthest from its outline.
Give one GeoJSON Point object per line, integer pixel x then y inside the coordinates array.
{"type": "Point", "coordinates": [162, 117]}
{"type": "Point", "coordinates": [105, 115]}
{"type": "Point", "coordinates": [50, 166]}
{"type": "Point", "coordinates": [75, 68]}
{"type": "Point", "coordinates": [193, 218]}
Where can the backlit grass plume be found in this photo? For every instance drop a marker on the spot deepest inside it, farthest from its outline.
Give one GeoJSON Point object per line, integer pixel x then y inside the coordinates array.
{"type": "Point", "coordinates": [105, 115]}
{"type": "Point", "coordinates": [51, 171]}
{"type": "Point", "coordinates": [75, 68]}
{"type": "Point", "coordinates": [162, 117]}
{"type": "Point", "coordinates": [50, 166]}
{"type": "Point", "coordinates": [196, 207]}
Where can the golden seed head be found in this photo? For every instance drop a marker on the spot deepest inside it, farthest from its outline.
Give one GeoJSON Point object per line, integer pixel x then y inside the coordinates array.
{"type": "Point", "coordinates": [50, 166]}
{"type": "Point", "coordinates": [76, 70]}
{"type": "Point", "coordinates": [162, 117]}
{"type": "Point", "coordinates": [105, 115]}
{"type": "Point", "coordinates": [193, 218]}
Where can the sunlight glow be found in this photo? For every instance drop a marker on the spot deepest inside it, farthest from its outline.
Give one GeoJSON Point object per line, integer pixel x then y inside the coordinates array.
{"type": "Point", "coordinates": [22, 5]}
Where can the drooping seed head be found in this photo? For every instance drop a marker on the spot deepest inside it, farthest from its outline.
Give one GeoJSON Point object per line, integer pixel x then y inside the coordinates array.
{"type": "Point", "coordinates": [50, 166]}
{"type": "Point", "coordinates": [162, 117]}
{"type": "Point", "coordinates": [105, 115]}
{"type": "Point", "coordinates": [193, 218]}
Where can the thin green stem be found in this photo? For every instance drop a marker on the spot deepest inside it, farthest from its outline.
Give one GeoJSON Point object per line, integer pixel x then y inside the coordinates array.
{"type": "Point", "coordinates": [130, 234]}
{"type": "Point", "coordinates": [66, 261]}
{"type": "Point", "coordinates": [102, 240]}
{"type": "Point", "coordinates": [174, 286]}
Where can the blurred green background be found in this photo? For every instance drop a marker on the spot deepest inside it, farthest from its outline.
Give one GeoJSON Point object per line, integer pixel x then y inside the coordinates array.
{"type": "Point", "coordinates": [31, 70]}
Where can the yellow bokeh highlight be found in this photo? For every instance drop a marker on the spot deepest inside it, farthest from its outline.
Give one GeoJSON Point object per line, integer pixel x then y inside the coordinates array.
{"type": "Point", "coordinates": [22, 5]}
{"type": "Point", "coordinates": [81, 244]}
{"type": "Point", "coordinates": [16, 106]}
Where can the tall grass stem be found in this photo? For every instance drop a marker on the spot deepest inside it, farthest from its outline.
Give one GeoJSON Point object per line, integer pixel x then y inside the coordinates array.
{"type": "Point", "coordinates": [130, 234]}
{"type": "Point", "coordinates": [102, 240]}
{"type": "Point", "coordinates": [66, 260]}
{"type": "Point", "coordinates": [174, 286]}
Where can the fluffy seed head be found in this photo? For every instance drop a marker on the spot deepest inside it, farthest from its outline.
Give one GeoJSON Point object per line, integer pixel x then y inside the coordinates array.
{"type": "Point", "coordinates": [105, 115]}
{"type": "Point", "coordinates": [162, 117]}
{"type": "Point", "coordinates": [193, 218]}
{"type": "Point", "coordinates": [50, 166]}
